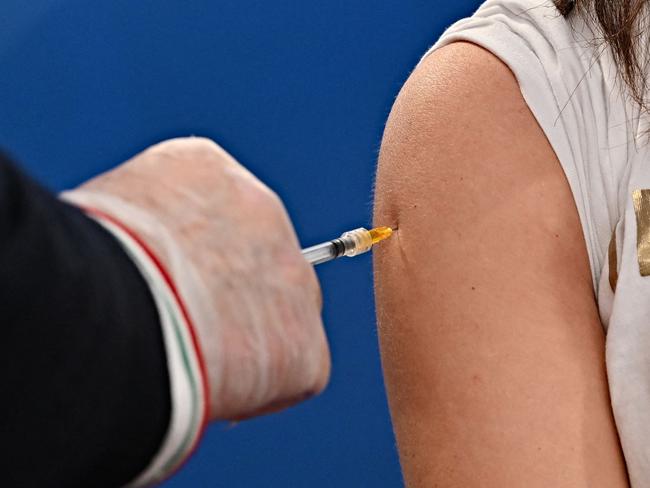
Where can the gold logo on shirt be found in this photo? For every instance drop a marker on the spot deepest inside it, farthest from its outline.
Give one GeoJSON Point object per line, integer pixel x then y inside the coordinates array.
{"type": "Point", "coordinates": [641, 199]}
{"type": "Point", "coordinates": [613, 264]}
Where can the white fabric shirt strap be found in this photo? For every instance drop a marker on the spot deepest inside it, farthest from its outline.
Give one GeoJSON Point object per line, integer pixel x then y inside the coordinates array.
{"type": "Point", "coordinates": [187, 377]}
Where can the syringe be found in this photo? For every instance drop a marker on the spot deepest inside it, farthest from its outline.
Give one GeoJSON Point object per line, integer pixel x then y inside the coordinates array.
{"type": "Point", "coordinates": [350, 244]}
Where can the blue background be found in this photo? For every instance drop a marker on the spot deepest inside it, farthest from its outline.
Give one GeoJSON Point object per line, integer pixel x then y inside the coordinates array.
{"type": "Point", "coordinates": [298, 91]}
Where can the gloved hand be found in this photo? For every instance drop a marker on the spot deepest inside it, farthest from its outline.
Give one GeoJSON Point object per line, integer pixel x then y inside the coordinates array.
{"type": "Point", "coordinates": [232, 253]}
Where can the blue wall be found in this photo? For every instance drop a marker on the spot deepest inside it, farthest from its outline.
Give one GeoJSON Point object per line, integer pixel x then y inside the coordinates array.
{"type": "Point", "coordinates": [298, 91]}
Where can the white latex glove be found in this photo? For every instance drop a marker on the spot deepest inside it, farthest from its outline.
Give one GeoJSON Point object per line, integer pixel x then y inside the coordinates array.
{"type": "Point", "coordinates": [232, 253]}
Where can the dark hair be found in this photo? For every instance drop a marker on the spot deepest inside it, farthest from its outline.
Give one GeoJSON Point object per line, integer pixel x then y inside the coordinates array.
{"type": "Point", "coordinates": [620, 23]}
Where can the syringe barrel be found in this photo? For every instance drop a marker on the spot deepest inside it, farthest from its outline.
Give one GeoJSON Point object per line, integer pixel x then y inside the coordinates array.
{"type": "Point", "coordinates": [320, 253]}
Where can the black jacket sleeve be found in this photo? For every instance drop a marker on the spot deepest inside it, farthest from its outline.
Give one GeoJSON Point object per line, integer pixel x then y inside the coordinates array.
{"type": "Point", "coordinates": [83, 376]}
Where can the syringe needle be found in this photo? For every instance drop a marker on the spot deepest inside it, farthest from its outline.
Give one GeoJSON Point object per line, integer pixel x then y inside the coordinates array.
{"type": "Point", "coordinates": [350, 244]}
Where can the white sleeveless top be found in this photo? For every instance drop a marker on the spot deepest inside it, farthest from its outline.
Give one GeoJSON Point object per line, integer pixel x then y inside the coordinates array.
{"type": "Point", "coordinates": [603, 144]}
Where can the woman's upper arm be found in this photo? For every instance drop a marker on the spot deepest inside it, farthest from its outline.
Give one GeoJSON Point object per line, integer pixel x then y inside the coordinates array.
{"type": "Point", "coordinates": [491, 343]}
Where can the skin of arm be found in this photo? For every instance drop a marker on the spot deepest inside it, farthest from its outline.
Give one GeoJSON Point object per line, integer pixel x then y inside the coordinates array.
{"type": "Point", "coordinates": [492, 348]}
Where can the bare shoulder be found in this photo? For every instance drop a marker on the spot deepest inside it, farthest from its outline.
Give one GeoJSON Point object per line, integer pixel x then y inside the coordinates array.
{"type": "Point", "coordinates": [462, 146]}
{"type": "Point", "coordinates": [466, 105]}
{"type": "Point", "coordinates": [459, 74]}
{"type": "Point", "coordinates": [491, 344]}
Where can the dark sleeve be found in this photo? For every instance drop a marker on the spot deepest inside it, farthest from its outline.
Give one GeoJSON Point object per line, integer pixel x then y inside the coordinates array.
{"type": "Point", "coordinates": [84, 386]}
